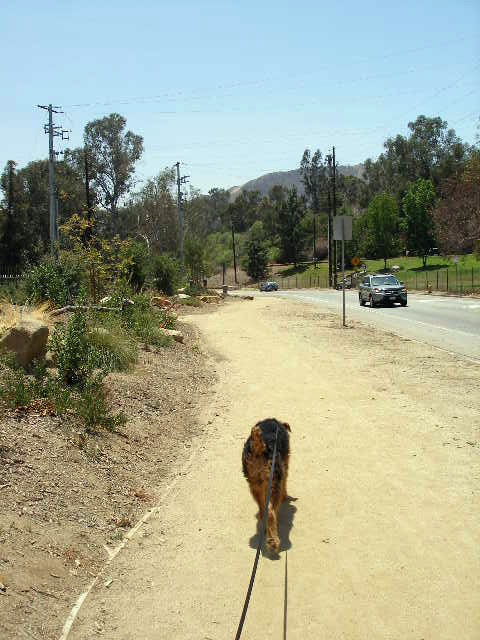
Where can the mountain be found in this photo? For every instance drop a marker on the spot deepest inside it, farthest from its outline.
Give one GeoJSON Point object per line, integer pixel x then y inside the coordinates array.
{"type": "Point", "coordinates": [287, 179]}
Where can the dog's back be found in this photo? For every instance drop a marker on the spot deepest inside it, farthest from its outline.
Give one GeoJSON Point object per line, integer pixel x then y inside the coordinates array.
{"type": "Point", "coordinates": [261, 441]}
{"type": "Point", "coordinates": [257, 460]}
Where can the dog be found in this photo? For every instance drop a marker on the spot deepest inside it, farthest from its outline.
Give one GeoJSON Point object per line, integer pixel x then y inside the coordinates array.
{"type": "Point", "coordinates": [257, 459]}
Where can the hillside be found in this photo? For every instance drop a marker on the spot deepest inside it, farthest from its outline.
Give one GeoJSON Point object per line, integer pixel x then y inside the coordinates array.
{"type": "Point", "coordinates": [287, 179]}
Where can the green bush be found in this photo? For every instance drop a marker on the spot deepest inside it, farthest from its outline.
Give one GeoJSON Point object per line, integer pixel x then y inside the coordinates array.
{"type": "Point", "coordinates": [88, 406]}
{"type": "Point", "coordinates": [111, 349]}
{"type": "Point", "coordinates": [70, 344]}
{"type": "Point", "coordinates": [92, 408]}
{"type": "Point", "coordinates": [136, 264]}
{"type": "Point", "coordinates": [60, 282]}
{"type": "Point", "coordinates": [144, 323]}
{"type": "Point", "coordinates": [166, 275]}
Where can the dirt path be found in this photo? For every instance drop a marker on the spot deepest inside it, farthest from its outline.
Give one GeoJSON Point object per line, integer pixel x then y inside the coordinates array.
{"type": "Point", "coordinates": [382, 540]}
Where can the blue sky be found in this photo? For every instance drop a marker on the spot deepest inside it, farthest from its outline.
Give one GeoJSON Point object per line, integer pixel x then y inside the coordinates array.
{"type": "Point", "coordinates": [237, 89]}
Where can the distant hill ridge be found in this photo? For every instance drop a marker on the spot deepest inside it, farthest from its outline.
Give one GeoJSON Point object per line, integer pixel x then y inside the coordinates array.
{"type": "Point", "coordinates": [287, 179]}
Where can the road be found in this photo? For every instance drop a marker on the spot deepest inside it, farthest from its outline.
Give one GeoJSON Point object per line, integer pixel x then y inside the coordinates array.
{"type": "Point", "coordinates": [445, 322]}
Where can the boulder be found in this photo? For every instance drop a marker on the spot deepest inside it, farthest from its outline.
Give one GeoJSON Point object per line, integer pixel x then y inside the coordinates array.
{"type": "Point", "coordinates": [183, 295]}
{"type": "Point", "coordinates": [51, 360]}
{"type": "Point", "coordinates": [27, 340]}
{"type": "Point", "coordinates": [158, 301]}
{"type": "Point", "coordinates": [210, 299]}
{"type": "Point", "coordinates": [173, 333]}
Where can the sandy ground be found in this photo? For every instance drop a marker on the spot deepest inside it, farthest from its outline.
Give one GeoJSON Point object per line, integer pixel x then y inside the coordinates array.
{"type": "Point", "coordinates": [381, 539]}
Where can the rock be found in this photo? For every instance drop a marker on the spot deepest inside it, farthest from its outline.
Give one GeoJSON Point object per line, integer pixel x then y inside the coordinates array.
{"type": "Point", "coordinates": [183, 295]}
{"type": "Point", "coordinates": [105, 299]}
{"type": "Point", "coordinates": [27, 340]}
{"type": "Point", "coordinates": [210, 299]}
{"type": "Point", "coordinates": [158, 301]}
{"type": "Point", "coordinates": [173, 333]}
{"type": "Point", "coordinates": [50, 360]}
{"type": "Point", "coordinates": [182, 290]}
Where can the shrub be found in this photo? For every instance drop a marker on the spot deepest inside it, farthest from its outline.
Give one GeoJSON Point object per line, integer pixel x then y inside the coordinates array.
{"type": "Point", "coordinates": [70, 344]}
{"type": "Point", "coordinates": [92, 408]}
{"type": "Point", "coordinates": [58, 281]}
{"type": "Point", "coordinates": [143, 322]}
{"type": "Point", "coordinates": [166, 276]}
{"type": "Point", "coordinates": [135, 264]}
{"type": "Point", "coordinates": [111, 349]}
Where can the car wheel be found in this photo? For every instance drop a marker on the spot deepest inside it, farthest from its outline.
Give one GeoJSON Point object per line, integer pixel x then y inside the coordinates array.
{"type": "Point", "coordinates": [361, 300]}
{"type": "Point", "coordinates": [372, 302]}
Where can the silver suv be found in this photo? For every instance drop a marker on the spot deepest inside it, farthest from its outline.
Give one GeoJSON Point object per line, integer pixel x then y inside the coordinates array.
{"type": "Point", "coordinates": [381, 289]}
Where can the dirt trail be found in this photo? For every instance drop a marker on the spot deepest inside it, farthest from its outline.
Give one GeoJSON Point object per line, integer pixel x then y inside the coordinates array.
{"type": "Point", "coordinates": [382, 540]}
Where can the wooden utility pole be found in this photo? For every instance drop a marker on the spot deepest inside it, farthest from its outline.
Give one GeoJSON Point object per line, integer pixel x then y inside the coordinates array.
{"type": "Point", "coordinates": [88, 231]}
{"type": "Point", "coordinates": [334, 214]}
{"type": "Point", "coordinates": [234, 253]}
{"type": "Point", "coordinates": [329, 237]}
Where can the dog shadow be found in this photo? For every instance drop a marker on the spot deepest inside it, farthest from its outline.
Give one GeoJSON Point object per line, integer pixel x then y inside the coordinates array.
{"type": "Point", "coordinates": [285, 516]}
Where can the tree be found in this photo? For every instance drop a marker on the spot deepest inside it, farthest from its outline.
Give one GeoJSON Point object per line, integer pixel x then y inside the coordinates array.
{"type": "Point", "coordinates": [417, 205]}
{"type": "Point", "coordinates": [431, 151]}
{"type": "Point", "coordinates": [457, 214]}
{"type": "Point", "coordinates": [382, 224]}
{"type": "Point", "coordinates": [256, 260]}
{"type": "Point", "coordinates": [290, 216]}
{"type": "Point", "coordinates": [194, 257]}
{"type": "Point", "coordinates": [314, 178]}
{"type": "Point", "coordinates": [151, 213]}
{"type": "Point", "coordinates": [112, 155]}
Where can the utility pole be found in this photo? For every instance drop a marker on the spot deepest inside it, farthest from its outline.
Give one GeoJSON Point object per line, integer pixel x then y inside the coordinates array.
{"type": "Point", "coordinates": [234, 252]}
{"type": "Point", "coordinates": [88, 232]}
{"type": "Point", "coordinates": [334, 214]}
{"type": "Point", "coordinates": [52, 131]}
{"type": "Point", "coordinates": [331, 259]}
{"type": "Point", "coordinates": [180, 180]}
{"type": "Point", "coordinates": [329, 236]}
{"type": "Point", "coordinates": [314, 240]}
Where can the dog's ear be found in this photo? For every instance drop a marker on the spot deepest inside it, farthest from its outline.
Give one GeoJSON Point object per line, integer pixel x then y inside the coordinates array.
{"type": "Point", "coordinates": [287, 426]}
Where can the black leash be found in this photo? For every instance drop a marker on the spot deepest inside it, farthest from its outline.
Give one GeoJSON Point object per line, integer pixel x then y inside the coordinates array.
{"type": "Point", "coordinates": [260, 543]}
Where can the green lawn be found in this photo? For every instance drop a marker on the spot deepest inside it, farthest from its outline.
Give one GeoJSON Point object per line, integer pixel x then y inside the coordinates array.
{"type": "Point", "coordinates": [440, 273]}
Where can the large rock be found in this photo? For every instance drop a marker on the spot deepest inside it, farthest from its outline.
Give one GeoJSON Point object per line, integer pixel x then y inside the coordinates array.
{"type": "Point", "coordinates": [158, 301]}
{"type": "Point", "coordinates": [173, 333]}
{"type": "Point", "coordinates": [27, 340]}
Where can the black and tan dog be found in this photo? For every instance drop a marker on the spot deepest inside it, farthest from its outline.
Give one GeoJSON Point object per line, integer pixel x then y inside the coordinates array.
{"type": "Point", "coordinates": [257, 460]}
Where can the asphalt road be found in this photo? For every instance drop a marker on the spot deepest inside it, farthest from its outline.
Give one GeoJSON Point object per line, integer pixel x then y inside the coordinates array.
{"type": "Point", "coordinates": [448, 323]}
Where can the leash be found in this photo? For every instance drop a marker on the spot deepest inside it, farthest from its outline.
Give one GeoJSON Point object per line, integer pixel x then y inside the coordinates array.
{"type": "Point", "coordinates": [260, 543]}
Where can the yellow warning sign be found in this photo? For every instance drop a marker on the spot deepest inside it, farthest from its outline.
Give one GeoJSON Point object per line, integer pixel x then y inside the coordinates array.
{"type": "Point", "coordinates": [355, 261]}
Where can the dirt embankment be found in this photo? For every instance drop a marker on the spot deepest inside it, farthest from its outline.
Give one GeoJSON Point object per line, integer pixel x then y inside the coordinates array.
{"type": "Point", "coordinates": [67, 499]}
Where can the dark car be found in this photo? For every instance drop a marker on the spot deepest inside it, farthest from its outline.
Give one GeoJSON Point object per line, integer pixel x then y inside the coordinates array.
{"type": "Point", "coordinates": [270, 285]}
{"type": "Point", "coordinates": [381, 289]}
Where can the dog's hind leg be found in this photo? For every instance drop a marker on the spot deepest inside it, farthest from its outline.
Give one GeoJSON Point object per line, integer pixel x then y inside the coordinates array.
{"type": "Point", "coordinates": [259, 496]}
{"type": "Point", "coordinates": [273, 541]}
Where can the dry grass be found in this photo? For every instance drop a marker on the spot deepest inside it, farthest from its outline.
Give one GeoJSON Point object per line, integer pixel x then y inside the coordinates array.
{"type": "Point", "coordinates": [11, 314]}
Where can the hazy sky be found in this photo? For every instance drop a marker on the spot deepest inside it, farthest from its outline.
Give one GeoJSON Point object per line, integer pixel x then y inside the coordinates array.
{"type": "Point", "coordinates": [237, 89]}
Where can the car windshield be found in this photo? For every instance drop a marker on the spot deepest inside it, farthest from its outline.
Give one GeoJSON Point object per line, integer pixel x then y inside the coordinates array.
{"type": "Point", "coordinates": [382, 280]}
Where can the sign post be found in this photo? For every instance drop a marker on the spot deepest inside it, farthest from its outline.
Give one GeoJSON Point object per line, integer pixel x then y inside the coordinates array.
{"type": "Point", "coordinates": [342, 230]}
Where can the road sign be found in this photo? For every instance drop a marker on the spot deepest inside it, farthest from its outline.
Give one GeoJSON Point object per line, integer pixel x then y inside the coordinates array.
{"type": "Point", "coordinates": [355, 261]}
{"type": "Point", "coordinates": [342, 227]}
